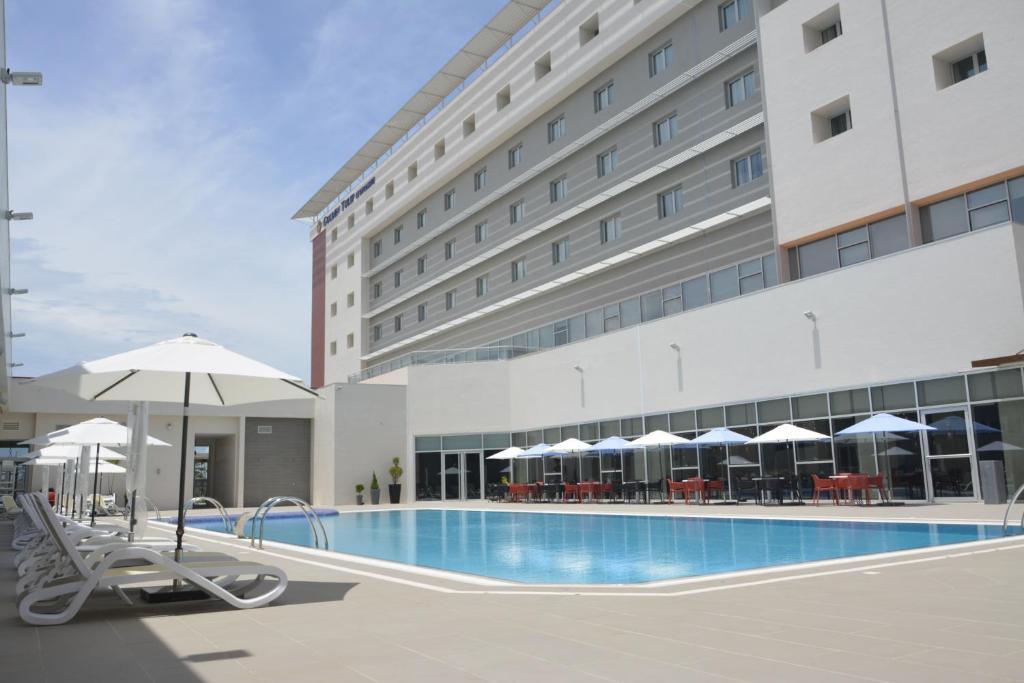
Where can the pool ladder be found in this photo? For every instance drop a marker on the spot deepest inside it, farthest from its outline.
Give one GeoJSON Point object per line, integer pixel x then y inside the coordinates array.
{"type": "Point", "coordinates": [225, 517]}
{"type": "Point", "coordinates": [260, 516]}
{"type": "Point", "coordinates": [1006, 517]}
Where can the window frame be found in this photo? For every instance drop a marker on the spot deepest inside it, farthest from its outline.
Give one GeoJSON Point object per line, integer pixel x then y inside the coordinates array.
{"type": "Point", "coordinates": [671, 121]}
{"type": "Point", "coordinates": [560, 251]}
{"type": "Point", "coordinates": [556, 129]}
{"type": "Point", "coordinates": [612, 157]}
{"type": "Point", "coordinates": [747, 160]}
{"type": "Point", "coordinates": [604, 235]}
{"type": "Point", "coordinates": [519, 269]}
{"type": "Point", "coordinates": [604, 97]}
{"type": "Point", "coordinates": [480, 179]}
{"type": "Point", "coordinates": [677, 202]}
{"type": "Point", "coordinates": [448, 201]}
{"type": "Point", "coordinates": [515, 156]}
{"type": "Point", "coordinates": [667, 54]}
{"type": "Point", "coordinates": [558, 189]}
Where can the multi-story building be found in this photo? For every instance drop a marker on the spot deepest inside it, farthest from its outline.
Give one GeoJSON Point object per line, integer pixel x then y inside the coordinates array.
{"type": "Point", "coordinates": [622, 216]}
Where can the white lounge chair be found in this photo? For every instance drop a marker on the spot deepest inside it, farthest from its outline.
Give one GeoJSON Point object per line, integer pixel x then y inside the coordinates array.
{"type": "Point", "coordinates": [60, 595]}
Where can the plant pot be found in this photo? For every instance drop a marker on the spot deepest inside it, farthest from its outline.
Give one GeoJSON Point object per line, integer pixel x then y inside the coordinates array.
{"type": "Point", "coordinates": [375, 496]}
{"type": "Point", "coordinates": [359, 499]}
{"type": "Point", "coordinates": [395, 493]}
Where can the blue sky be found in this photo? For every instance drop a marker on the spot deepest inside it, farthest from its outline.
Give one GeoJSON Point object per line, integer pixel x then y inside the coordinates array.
{"type": "Point", "coordinates": [169, 147]}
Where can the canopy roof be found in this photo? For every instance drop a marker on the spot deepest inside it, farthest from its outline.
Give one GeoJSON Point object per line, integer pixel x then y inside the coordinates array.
{"type": "Point", "coordinates": [720, 436]}
{"type": "Point", "coordinates": [884, 422]}
{"type": "Point", "coordinates": [535, 451]}
{"type": "Point", "coordinates": [613, 443]}
{"type": "Point", "coordinates": [507, 454]}
{"type": "Point", "coordinates": [67, 451]}
{"type": "Point", "coordinates": [789, 433]}
{"type": "Point", "coordinates": [659, 438]}
{"type": "Point", "coordinates": [569, 446]}
{"type": "Point", "coordinates": [98, 430]}
{"type": "Point", "coordinates": [488, 40]}
{"type": "Point", "coordinates": [157, 373]}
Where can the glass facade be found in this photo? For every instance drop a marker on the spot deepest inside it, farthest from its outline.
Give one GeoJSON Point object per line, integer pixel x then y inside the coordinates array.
{"type": "Point", "coordinates": [977, 417]}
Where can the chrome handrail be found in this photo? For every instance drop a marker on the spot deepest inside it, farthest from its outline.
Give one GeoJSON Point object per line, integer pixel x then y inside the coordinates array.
{"type": "Point", "coordinates": [220, 509]}
{"type": "Point", "coordinates": [307, 511]}
{"type": "Point", "coordinates": [147, 503]}
{"type": "Point", "coordinates": [1006, 517]}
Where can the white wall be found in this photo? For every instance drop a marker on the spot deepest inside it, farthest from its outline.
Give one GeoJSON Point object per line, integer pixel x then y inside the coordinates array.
{"type": "Point", "coordinates": [818, 185]}
{"type": "Point", "coordinates": [927, 311]}
{"type": "Point", "coordinates": [972, 129]}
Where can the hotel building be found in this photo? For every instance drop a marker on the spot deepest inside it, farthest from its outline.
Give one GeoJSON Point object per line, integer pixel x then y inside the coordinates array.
{"type": "Point", "coordinates": [604, 217]}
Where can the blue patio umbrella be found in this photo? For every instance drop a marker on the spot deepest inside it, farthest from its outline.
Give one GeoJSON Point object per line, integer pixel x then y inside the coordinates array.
{"type": "Point", "coordinates": [537, 451]}
{"type": "Point", "coordinates": [720, 436]}
{"type": "Point", "coordinates": [884, 423]}
{"type": "Point", "coordinates": [612, 443]}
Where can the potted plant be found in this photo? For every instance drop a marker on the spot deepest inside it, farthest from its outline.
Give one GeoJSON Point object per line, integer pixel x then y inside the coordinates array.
{"type": "Point", "coordinates": [359, 494]}
{"type": "Point", "coordinates": [394, 488]}
{"type": "Point", "coordinates": [374, 490]}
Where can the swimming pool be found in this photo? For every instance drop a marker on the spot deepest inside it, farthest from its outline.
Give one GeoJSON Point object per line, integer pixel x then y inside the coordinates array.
{"type": "Point", "coordinates": [577, 548]}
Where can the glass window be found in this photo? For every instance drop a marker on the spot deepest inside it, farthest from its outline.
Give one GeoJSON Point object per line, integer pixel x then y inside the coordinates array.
{"type": "Point", "coordinates": [665, 130]}
{"type": "Point", "coordinates": [893, 397]}
{"type": "Point", "coordinates": [708, 418]}
{"type": "Point", "coordinates": [561, 332]}
{"type": "Point", "coordinates": [652, 422]}
{"type": "Point", "coordinates": [629, 312]}
{"type": "Point", "coordinates": [695, 292]}
{"type": "Point", "coordinates": [1016, 188]}
{"type": "Point", "coordinates": [611, 229]}
{"type": "Point", "coordinates": [944, 219]}
{"type": "Point", "coordinates": [428, 443]}
{"type": "Point", "coordinates": [603, 97]}
{"type": "Point", "coordinates": [818, 257]}
{"type": "Point", "coordinates": [970, 66]}
{"type": "Point", "coordinates": [519, 439]}
{"type": "Point", "coordinates": [398, 234]}
{"type": "Point", "coordinates": [670, 202]}
{"type": "Point", "coordinates": [724, 284]}
{"type": "Point", "coordinates": [534, 437]}
{"type": "Point", "coordinates": [589, 432]}
{"type": "Point", "coordinates": [398, 278]}
{"type": "Point", "coordinates": [853, 246]}
{"type": "Point", "coordinates": [740, 89]}
{"type": "Point", "coordinates": [740, 414]}
{"type": "Point", "coordinates": [611, 318]}
{"type": "Point", "coordinates": [935, 392]}
{"type": "Point", "coordinates": [449, 300]}
{"type": "Point", "coordinates": [849, 401]}
{"type": "Point", "coordinates": [771, 274]}
{"type": "Point", "coordinates": [814, 405]}
{"type": "Point", "coordinates": [746, 169]}
{"type": "Point", "coordinates": [497, 440]}
{"type": "Point", "coordinates": [480, 179]}
{"type": "Point", "coordinates": [732, 13]}
{"type": "Point", "coordinates": [552, 435]}
{"type": "Point", "coordinates": [570, 432]}
{"type": "Point", "coordinates": [560, 251]}
{"type": "Point", "coordinates": [449, 200]}
{"type": "Point", "coordinates": [888, 236]}
{"type": "Point", "coordinates": [840, 123]}
{"type": "Point", "coordinates": [556, 129]}
{"type": "Point", "coordinates": [421, 219]}
{"type": "Point", "coordinates": [449, 250]}
{"type": "Point", "coordinates": [776, 410]}
{"type": "Point", "coordinates": [519, 269]}
{"type": "Point", "coordinates": [515, 212]}
{"type": "Point", "coordinates": [999, 384]}
{"type": "Point", "coordinates": [998, 435]}
{"type": "Point", "coordinates": [651, 307]}
{"type": "Point", "coordinates": [606, 162]}
{"type": "Point", "coordinates": [558, 189]}
{"type": "Point", "coordinates": [682, 422]}
{"type": "Point", "coordinates": [751, 279]}
{"type": "Point", "coordinates": [632, 427]}
{"type": "Point", "coordinates": [610, 428]}
{"type": "Point", "coordinates": [421, 312]}
{"type": "Point", "coordinates": [595, 322]}
{"type": "Point", "coordinates": [515, 156]}
{"type": "Point", "coordinates": [577, 328]}
{"type": "Point", "coordinates": [546, 337]}
{"type": "Point", "coordinates": [376, 248]}
{"type": "Point", "coordinates": [660, 59]}
{"type": "Point", "coordinates": [993, 214]}
{"type": "Point", "coordinates": [481, 285]}
{"type": "Point", "coordinates": [480, 232]}
{"type": "Point", "coordinates": [672, 298]}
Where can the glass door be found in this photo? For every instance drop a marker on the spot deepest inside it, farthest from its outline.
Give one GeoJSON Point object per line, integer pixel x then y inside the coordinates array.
{"type": "Point", "coordinates": [452, 476]}
{"type": "Point", "coordinates": [949, 453]}
{"type": "Point", "coordinates": [472, 481]}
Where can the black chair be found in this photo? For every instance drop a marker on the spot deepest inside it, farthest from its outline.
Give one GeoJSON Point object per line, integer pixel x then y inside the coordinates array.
{"type": "Point", "coordinates": [655, 488]}
{"type": "Point", "coordinates": [744, 489]}
{"type": "Point", "coordinates": [630, 491]}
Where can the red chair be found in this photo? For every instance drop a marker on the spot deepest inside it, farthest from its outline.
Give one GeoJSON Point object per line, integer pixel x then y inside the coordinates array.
{"type": "Point", "coordinates": [675, 487]}
{"type": "Point", "coordinates": [855, 483]}
{"type": "Point", "coordinates": [694, 485]}
{"type": "Point", "coordinates": [716, 485]}
{"type": "Point", "coordinates": [828, 486]}
{"type": "Point", "coordinates": [876, 482]}
{"type": "Point", "coordinates": [572, 491]}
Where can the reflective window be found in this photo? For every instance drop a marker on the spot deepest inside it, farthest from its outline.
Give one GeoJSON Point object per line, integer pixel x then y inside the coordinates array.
{"type": "Point", "coordinates": [1016, 188]}
{"type": "Point", "coordinates": [695, 292]}
{"type": "Point", "coordinates": [670, 202]}
{"type": "Point", "coordinates": [934, 392]}
{"type": "Point", "coordinates": [888, 236]}
{"type": "Point", "coordinates": [818, 257]}
{"type": "Point", "coordinates": [853, 246]}
{"type": "Point", "coordinates": [987, 207]}
{"type": "Point", "coordinates": [849, 401]}
{"type": "Point", "coordinates": [992, 385]}
{"type": "Point", "coordinates": [629, 312]}
{"type": "Point", "coordinates": [893, 397]}
{"type": "Point", "coordinates": [660, 59]}
{"type": "Point", "coordinates": [606, 162]}
{"type": "Point", "coordinates": [672, 299]}
{"type": "Point", "coordinates": [651, 306]}
{"type": "Point", "coordinates": [746, 169]}
{"type": "Point", "coordinates": [740, 89]}
{"type": "Point", "coordinates": [776, 410]}
{"type": "Point", "coordinates": [732, 13]}
{"type": "Point", "coordinates": [665, 130]}
{"type": "Point", "coordinates": [944, 219]}
{"type": "Point", "coordinates": [724, 284]}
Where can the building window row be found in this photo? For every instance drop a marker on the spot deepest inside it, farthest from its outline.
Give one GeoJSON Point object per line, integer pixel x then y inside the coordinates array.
{"type": "Point", "coordinates": [973, 210]}
{"type": "Point", "coordinates": [849, 247]}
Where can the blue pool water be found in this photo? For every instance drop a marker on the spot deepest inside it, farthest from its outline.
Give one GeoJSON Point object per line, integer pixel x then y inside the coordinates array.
{"type": "Point", "coordinates": [530, 547]}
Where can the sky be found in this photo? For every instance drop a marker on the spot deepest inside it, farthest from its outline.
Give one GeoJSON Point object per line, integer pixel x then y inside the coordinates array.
{"type": "Point", "coordinates": [170, 145]}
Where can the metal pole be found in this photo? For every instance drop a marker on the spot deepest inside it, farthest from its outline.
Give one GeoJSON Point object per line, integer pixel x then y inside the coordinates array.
{"type": "Point", "coordinates": [63, 472]}
{"type": "Point", "coordinates": [180, 532]}
{"type": "Point", "coordinates": [95, 486]}
{"type": "Point", "coordinates": [74, 491]}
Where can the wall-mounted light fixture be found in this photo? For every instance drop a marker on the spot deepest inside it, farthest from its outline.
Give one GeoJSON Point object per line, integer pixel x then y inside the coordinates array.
{"type": "Point", "coordinates": [810, 315]}
{"type": "Point", "coordinates": [18, 215]}
{"type": "Point", "coordinates": [8, 77]}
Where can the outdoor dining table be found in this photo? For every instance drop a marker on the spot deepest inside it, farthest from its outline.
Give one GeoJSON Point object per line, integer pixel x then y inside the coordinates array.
{"type": "Point", "coordinates": [764, 491]}
{"type": "Point", "coordinates": [592, 489]}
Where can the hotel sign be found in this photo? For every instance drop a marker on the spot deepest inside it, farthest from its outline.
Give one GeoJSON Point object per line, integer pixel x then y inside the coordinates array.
{"type": "Point", "coordinates": [347, 201]}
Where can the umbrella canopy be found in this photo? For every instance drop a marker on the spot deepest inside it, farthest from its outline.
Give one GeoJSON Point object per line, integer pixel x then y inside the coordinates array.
{"type": "Point", "coordinates": [659, 438]}
{"type": "Point", "coordinates": [105, 468]}
{"type": "Point", "coordinates": [612, 443]}
{"type": "Point", "coordinates": [158, 372]}
{"type": "Point", "coordinates": [98, 430]}
{"type": "Point", "coordinates": [789, 433]}
{"type": "Point", "coordinates": [720, 436]}
{"type": "Point", "coordinates": [186, 369]}
{"type": "Point", "coordinates": [40, 462]}
{"type": "Point", "coordinates": [884, 422]}
{"type": "Point", "coordinates": [535, 451]}
{"type": "Point", "coordinates": [65, 452]}
{"type": "Point", "coordinates": [569, 446]}
{"type": "Point", "coordinates": [896, 450]}
{"type": "Point", "coordinates": [507, 454]}
{"type": "Point", "coordinates": [737, 461]}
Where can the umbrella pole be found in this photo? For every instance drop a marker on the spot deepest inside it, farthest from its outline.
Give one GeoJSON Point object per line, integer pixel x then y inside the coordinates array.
{"type": "Point", "coordinates": [180, 531]}
{"type": "Point", "coordinates": [63, 472]}
{"type": "Point", "coordinates": [95, 486]}
{"type": "Point", "coordinates": [131, 518]}
{"type": "Point", "coordinates": [74, 494]}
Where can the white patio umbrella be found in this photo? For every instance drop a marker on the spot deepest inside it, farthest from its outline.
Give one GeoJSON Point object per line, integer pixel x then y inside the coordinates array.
{"type": "Point", "coordinates": [97, 432]}
{"type": "Point", "coordinates": [570, 446]}
{"type": "Point", "coordinates": [720, 436]}
{"type": "Point", "coordinates": [507, 454]}
{"type": "Point", "coordinates": [135, 481]}
{"type": "Point", "coordinates": [658, 439]}
{"type": "Point", "coordinates": [63, 455]}
{"type": "Point", "coordinates": [790, 434]}
{"type": "Point", "coordinates": [186, 369]}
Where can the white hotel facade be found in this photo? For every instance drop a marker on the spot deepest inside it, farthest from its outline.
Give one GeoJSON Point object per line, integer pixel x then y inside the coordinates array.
{"type": "Point", "coordinates": [662, 214]}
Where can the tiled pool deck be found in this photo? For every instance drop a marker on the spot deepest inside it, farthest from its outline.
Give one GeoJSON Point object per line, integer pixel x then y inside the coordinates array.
{"type": "Point", "coordinates": [946, 614]}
